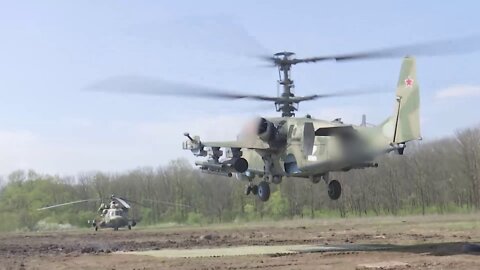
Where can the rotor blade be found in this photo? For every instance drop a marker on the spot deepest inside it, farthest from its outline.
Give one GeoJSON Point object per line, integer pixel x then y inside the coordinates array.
{"type": "Point", "coordinates": [432, 48]}
{"type": "Point", "coordinates": [167, 203]}
{"type": "Point", "coordinates": [196, 33]}
{"type": "Point", "coordinates": [151, 86]}
{"type": "Point", "coordinates": [155, 201]}
{"type": "Point", "coordinates": [341, 94]}
{"type": "Point", "coordinates": [134, 202]}
{"type": "Point", "coordinates": [121, 201]}
{"type": "Point", "coordinates": [68, 203]}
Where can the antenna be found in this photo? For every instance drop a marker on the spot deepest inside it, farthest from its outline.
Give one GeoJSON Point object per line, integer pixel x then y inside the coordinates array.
{"type": "Point", "coordinates": [364, 120]}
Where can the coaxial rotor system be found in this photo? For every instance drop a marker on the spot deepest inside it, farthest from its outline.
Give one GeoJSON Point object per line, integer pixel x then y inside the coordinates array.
{"type": "Point", "coordinates": [286, 102]}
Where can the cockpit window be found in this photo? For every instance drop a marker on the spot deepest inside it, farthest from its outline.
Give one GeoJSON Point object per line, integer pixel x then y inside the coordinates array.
{"type": "Point", "coordinates": [113, 213]}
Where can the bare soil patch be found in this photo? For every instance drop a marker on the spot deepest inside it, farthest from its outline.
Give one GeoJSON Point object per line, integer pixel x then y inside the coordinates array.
{"type": "Point", "coordinates": [432, 242]}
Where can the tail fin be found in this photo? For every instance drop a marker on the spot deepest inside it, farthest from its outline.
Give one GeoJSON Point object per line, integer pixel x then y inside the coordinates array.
{"type": "Point", "coordinates": [406, 117]}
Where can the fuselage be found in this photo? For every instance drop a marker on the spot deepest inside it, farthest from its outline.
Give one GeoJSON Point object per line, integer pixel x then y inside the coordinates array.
{"type": "Point", "coordinates": [114, 218]}
{"type": "Point", "coordinates": [303, 156]}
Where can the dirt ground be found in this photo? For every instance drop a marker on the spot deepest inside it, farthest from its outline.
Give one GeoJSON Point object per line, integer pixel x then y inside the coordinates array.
{"type": "Point", "coordinates": [432, 242]}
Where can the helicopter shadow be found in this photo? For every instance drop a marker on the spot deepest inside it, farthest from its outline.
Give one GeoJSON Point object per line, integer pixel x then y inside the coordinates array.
{"type": "Point", "coordinates": [440, 249]}
{"type": "Point", "coordinates": [433, 249]}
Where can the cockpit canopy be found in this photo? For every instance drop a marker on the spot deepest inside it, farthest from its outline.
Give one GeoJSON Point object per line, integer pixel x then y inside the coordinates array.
{"type": "Point", "coordinates": [115, 212]}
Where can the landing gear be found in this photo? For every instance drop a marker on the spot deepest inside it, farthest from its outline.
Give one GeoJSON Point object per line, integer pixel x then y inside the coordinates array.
{"type": "Point", "coordinates": [251, 188]}
{"type": "Point", "coordinates": [254, 189]}
{"type": "Point", "coordinates": [96, 228]}
{"type": "Point", "coordinates": [334, 190]}
{"type": "Point", "coordinates": [129, 227]}
{"type": "Point", "coordinates": [263, 191]}
{"type": "Point", "coordinates": [248, 189]}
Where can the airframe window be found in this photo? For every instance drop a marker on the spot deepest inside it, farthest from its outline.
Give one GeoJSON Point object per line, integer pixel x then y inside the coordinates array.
{"type": "Point", "coordinates": [290, 130]}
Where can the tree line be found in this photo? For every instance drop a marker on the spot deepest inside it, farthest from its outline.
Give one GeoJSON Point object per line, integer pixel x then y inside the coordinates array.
{"type": "Point", "coordinates": [439, 176]}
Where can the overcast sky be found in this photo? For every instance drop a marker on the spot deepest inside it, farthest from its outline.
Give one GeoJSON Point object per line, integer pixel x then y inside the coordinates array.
{"type": "Point", "coordinates": [50, 51]}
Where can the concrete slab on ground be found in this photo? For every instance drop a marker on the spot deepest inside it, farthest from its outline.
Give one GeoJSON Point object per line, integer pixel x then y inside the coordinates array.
{"type": "Point", "coordinates": [253, 250]}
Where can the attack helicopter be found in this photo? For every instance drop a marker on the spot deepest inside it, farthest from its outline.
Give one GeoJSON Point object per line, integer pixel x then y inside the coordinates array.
{"type": "Point", "coordinates": [111, 215]}
{"type": "Point", "coordinates": [304, 147]}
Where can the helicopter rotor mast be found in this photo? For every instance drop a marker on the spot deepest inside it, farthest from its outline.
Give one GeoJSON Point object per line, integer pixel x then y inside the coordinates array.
{"type": "Point", "coordinates": [285, 105]}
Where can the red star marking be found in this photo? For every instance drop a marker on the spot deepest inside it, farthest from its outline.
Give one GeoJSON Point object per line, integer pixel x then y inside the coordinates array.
{"type": "Point", "coordinates": [409, 82]}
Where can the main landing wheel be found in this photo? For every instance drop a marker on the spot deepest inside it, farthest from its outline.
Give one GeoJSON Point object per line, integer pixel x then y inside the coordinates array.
{"type": "Point", "coordinates": [334, 190]}
{"type": "Point", "coordinates": [263, 191]}
{"type": "Point", "coordinates": [129, 227]}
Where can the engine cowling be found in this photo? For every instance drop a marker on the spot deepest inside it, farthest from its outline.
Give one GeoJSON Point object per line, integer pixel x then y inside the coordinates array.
{"type": "Point", "coordinates": [266, 130]}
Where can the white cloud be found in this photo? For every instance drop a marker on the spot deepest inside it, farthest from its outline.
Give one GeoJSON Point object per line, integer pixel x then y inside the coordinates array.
{"type": "Point", "coordinates": [459, 91]}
